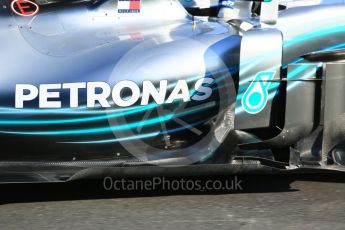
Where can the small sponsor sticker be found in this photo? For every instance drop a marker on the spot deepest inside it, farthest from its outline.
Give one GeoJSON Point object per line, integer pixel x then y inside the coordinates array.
{"type": "Point", "coordinates": [129, 6]}
{"type": "Point", "coordinates": [226, 4]}
{"type": "Point", "coordinates": [132, 36]}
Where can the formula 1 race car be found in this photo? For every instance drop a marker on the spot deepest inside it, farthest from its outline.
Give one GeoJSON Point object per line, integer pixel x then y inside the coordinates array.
{"type": "Point", "coordinates": [144, 87]}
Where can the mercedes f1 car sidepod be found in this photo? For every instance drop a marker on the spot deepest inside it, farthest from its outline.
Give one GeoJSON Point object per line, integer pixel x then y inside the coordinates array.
{"type": "Point", "coordinates": [144, 87]}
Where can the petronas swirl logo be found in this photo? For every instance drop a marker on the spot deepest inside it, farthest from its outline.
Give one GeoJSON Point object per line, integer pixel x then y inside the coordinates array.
{"type": "Point", "coordinates": [256, 97]}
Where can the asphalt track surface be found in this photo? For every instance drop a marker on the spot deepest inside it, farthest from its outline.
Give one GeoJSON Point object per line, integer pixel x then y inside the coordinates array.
{"type": "Point", "coordinates": [266, 202]}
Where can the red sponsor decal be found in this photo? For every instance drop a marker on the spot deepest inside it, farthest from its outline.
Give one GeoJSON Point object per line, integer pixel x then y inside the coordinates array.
{"type": "Point", "coordinates": [137, 36]}
{"type": "Point", "coordinates": [24, 8]}
{"type": "Point", "coordinates": [134, 5]}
